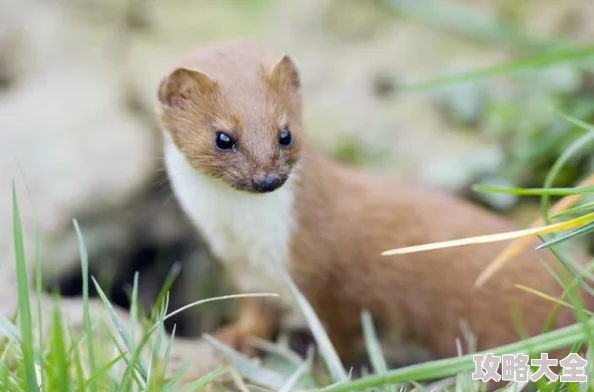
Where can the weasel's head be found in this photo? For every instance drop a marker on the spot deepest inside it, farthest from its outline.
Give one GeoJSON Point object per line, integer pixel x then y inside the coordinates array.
{"type": "Point", "coordinates": [235, 114]}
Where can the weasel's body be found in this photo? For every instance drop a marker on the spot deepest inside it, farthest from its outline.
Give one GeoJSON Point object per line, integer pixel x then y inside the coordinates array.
{"type": "Point", "coordinates": [260, 197]}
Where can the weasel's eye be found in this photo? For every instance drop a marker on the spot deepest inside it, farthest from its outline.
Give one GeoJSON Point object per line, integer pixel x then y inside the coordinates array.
{"type": "Point", "coordinates": [285, 139]}
{"type": "Point", "coordinates": [224, 142]}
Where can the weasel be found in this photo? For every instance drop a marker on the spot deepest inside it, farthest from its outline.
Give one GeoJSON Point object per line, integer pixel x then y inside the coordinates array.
{"type": "Point", "coordinates": [261, 195]}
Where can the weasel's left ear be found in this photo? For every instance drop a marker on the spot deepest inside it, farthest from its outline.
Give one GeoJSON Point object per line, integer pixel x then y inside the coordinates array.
{"type": "Point", "coordinates": [179, 86]}
{"type": "Point", "coordinates": [285, 73]}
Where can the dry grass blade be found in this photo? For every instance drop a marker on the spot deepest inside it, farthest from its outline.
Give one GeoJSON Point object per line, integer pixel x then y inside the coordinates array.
{"type": "Point", "coordinates": [556, 227]}
{"type": "Point", "coordinates": [545, 296]}
{"type": "Point", "coordinates": [206, 300]}
{"type": "Point", "coordinates": [520, 244]}
{"type": "Point", "coordinates": [327, 350]}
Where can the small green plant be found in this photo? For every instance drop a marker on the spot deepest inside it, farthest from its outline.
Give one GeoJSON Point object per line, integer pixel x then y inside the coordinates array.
{"type": "Point", "coordinates": [55, 358]}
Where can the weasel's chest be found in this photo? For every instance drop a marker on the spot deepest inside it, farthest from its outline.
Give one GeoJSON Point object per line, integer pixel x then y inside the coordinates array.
{"type": "Point", "coordinates": [249, 233]}
{"type": "Point", "coordinates": [249, 237]}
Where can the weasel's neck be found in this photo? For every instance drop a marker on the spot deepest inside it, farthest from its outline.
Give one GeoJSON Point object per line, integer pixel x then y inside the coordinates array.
{"type": "Point", "coordinates": [251, 233]}
{"type": "Point", "coordinates": [236, 224]}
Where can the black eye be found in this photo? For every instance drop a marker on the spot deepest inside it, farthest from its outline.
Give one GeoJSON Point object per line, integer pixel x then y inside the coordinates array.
{"type": "Point", "coordinates": [224, 142]}
{"type": "Point", "coordinates": [285, 139]}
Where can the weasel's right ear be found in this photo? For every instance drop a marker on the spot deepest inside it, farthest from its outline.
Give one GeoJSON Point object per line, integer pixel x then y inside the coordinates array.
{"type": "Point", "coordinates": [183, 84]}
{"type": "Point", "coordinates": [285, 74]}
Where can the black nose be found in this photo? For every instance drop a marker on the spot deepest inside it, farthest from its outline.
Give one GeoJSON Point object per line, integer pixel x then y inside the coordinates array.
{"type": "Point", "coordinates": [267, 183]}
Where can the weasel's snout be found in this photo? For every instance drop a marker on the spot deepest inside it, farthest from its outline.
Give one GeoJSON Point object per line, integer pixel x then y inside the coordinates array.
{"type": "Point", "coordinates": [267, 183]}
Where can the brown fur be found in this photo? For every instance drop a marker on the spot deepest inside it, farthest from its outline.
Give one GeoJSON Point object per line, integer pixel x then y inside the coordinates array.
{"type": "Point", "coordinates": [200, 98]}
{"type": "Point", "coordinates": [346, 218]}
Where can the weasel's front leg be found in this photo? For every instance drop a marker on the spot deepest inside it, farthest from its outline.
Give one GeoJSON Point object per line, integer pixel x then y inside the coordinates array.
{"type": "Point", "coordinates": [257, 318]}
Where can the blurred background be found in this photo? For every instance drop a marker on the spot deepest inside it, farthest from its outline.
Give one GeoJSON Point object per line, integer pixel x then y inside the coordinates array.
{"type": "Point", "coordinates": [79, 138]}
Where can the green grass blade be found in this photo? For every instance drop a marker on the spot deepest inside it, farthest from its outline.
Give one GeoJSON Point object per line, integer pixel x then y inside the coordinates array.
{"type": "Point", "coordinates": [169, 280]}
{"type": "Point", "coordinates": [24, 304]}
{"type": "Point", "coordinates": [155, 353]}
{"type": "Point", "coordinates": [278, 350]}
{"type": "Point", "coordinates": [38, 293]}
{"type": "Point", "coordinates": [327, 351]}
{"type": "Point", "coordinates": [573, 212]}
{"type": "Point", "coordinates": [206, 300]}
{"type": "Point", "coordinates": [5, 378]}
{"type": "Point", "coordinates": [576, 122]}
{"type": "Point", "coordinates": [292, 381]}
{"type": "Point", "coordinates": [459, 19]}
{"type": "Point", "coordinates": [130, 375]}
{"type": "Point", "coordinates": [567, 154]}
{"type": "Point", "coordinates": [124, 334]}
{"type": "Point", "coordinates": [167, 355]}
{"type": "Point", "coordinates": [331, 386]}
{"type": "Point", "coordinates": [102, 371]}
{"type": "Point", "coordinates": [131, 371]}
{"type": "Point", "coordinates": [586, 229]}
{"type": "Point", "coordinates": [535, 191]}
{"type": "Point", "coordinates": [546, 342]}
{"type": "Point", "coordinates": [202, 381]}
{"type": "Point", "coordinates": [78, 363]}
{"type": "Point", "coordinates": [134, 311]}
{"type": "Point", "coordinates": [84, 261]}
{"type": "Point", "coordinates": [157, 367]}
{"type": "Point", "coordinates": [537, 61]}
{"type": "Point", "coordinates": [59, 356]}
{"type": "Point", "coordinates": [578, 279]}
{"type": "Point", "coordinates": [374, 349]}
{"type": "Point", "coordinates": [8, 329]}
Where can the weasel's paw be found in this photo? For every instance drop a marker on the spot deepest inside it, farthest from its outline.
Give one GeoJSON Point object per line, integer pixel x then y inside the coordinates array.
{"type": "Point", "coordinates": [237, 338]}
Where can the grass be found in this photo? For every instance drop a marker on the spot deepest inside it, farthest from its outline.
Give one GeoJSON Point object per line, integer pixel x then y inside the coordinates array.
{"type": "Point", "coordinates": [58, 359]}
{"type": "Point", "coordinates": [40, 351]}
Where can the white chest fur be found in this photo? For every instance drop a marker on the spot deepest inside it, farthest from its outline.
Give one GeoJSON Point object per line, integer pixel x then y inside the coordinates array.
{"type": "Point", "coordinates": [249, 233]}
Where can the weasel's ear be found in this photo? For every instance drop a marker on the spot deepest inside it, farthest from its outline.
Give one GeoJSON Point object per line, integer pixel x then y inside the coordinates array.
{"type": "Point", "coordinates": [182, 84]}
{"type": "Point", "coordinates": [285, 73]}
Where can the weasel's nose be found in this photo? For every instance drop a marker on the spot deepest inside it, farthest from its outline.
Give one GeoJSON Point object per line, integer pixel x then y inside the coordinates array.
{"type": "Point", "coordinates": [267, 183]}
